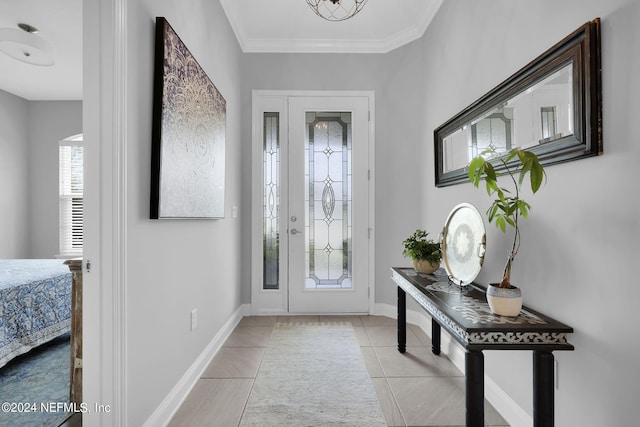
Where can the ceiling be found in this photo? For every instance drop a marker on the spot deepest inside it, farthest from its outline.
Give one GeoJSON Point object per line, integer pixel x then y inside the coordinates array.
{"type": "Point", "coordinates": [259, 25]}
{"type": "Point", "coordinates": [60, 23]}
{"type": "Point", "coordinates": [291, 26]}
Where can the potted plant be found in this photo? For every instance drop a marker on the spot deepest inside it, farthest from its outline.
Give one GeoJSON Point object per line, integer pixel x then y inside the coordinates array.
{"type": "Point", "coordinates": [424, 252]}
{"type": "Point", "coordinates": [506, 209]}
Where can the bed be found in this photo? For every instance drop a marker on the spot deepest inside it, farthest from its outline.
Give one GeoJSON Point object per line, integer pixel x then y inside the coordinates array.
{"type": "Point", "coordinates": [35, 304]}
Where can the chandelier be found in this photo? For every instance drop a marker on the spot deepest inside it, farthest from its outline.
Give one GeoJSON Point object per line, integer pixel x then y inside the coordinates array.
{"type": "Point", "coordinates": [336, 10]}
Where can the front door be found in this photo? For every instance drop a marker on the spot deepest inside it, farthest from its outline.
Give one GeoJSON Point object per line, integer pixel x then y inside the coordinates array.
{"type": "Point", "coordinates": [328, 209]}
{"type": "Point", "coordinates": [316, 216]}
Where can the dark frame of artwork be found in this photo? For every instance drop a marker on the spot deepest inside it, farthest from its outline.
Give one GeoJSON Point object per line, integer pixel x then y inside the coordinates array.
{"type": "Point", "coordinates": [188, 134]}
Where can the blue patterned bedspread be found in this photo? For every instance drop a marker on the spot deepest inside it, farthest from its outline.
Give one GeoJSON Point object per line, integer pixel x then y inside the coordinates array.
{"type": "Point", "coordinates": [35, 304]}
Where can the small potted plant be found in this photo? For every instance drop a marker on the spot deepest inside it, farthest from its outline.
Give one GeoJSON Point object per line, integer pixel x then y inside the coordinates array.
{"type": "Point", "coordinates": [506, 209]}
{"type": "Point", "coordinates": [424, 252]}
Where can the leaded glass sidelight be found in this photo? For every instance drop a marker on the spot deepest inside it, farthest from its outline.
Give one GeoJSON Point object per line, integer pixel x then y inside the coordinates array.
{"type": "Point", "coordinates": [328, 206]}
{"type": "Point", "coordinates": [271, 202]}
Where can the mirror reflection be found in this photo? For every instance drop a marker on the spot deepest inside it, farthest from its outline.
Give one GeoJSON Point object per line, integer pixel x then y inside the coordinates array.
{"type": "Point", "coordinates": [538, 115]}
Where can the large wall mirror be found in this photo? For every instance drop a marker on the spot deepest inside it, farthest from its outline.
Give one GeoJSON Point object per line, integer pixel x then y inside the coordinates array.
{"type": "Point", "coordinates": [552, 106]}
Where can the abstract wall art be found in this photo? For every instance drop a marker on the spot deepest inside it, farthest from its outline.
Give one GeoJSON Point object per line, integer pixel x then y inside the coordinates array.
{"type": "Point", "coordinates": [188, 134]}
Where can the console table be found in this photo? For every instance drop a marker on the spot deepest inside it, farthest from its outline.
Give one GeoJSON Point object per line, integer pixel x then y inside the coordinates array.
{"type": "Point", "coordinates": [464, 313]}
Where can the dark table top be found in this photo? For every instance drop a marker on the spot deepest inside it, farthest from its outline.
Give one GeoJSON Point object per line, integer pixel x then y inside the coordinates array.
{"type": "Point", "coordinates": [465, 314]}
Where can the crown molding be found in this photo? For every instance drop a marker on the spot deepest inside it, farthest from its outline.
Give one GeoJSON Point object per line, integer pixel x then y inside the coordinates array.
{"type": "Point", "coordinates": [329, 45]}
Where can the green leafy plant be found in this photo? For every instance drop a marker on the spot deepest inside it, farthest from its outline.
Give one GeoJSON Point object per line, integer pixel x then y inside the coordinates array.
{"type": "Point", "coordinates": [507, 206]}
{"type": "Point", "coordinates": [419, 247]}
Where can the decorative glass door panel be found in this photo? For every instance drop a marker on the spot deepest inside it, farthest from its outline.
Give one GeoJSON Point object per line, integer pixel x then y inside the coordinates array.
{"type": "Point", "coordinates": [271, 201]}
{"type": "Point", "coordinates": [328, 201]}
{"type": "Point", "coordinates": [328, 205]}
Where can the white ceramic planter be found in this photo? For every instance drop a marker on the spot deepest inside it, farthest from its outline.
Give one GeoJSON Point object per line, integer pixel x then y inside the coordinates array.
{"type": "Point", "coordinates": [504, 301]}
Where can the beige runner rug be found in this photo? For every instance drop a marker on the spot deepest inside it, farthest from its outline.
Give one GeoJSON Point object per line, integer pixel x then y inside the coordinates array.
{"type": "Point", "coordinates": [313, 374]}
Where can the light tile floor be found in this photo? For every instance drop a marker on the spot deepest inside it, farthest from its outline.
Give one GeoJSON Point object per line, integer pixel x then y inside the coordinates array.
{"type": "Point", "coordinates": [416, 388]}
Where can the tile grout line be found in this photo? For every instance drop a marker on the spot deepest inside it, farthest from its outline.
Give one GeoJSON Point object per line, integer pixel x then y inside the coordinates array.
{"type": "Point", "coordinates": [395, 401]}
{"type": "Point", "coordinates": [253, 381]}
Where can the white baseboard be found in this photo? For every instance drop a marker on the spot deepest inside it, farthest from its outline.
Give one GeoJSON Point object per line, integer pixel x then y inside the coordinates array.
{"type": "Point", "coordinates": [170, 405]}
{"type": "Point", "coordinates": [507, 407]}
{"type": "Point", "coordinates": [510, 411]}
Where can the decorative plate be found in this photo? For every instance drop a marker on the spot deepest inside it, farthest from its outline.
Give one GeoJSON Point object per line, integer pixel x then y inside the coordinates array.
{"type": "Point", "coordinates": [463, 244]}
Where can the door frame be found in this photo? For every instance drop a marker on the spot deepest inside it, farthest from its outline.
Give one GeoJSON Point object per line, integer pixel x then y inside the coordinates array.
{"type": "Point", "coordinates": [265, 302]}
{"type": "Point", "coordinates": [105, 126]}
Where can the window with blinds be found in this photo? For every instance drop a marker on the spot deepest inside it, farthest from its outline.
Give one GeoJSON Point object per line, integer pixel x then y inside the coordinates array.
{"type": "Point", "coordinates": [71, 196]}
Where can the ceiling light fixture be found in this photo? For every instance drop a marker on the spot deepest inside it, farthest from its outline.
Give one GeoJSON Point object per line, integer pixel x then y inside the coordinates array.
{"type": "Point", "coordinates": [23, 45]}
{"type": "Point", "coordinates": [336, 10]}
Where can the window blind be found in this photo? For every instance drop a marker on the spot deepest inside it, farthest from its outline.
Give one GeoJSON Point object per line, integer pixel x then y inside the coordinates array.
{"type": "Point", "coordinates": [71, 196]}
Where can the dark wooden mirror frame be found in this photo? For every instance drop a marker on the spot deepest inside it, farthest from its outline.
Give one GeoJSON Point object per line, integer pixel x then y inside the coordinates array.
{"type": "Point", "coordinates": [581, 49]}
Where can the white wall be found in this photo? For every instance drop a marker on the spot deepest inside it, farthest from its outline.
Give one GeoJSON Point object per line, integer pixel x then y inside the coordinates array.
{"type": "Point", "coordinates": [174, 266]}
{"type": "Point", "coordinates": [29, 135]}
{"type": "Point", "coordinates": [14, 177]}
{"type": "Point", "coordinates": [578, 258]}
{"type": "Point", "coordinates": [49, 122]}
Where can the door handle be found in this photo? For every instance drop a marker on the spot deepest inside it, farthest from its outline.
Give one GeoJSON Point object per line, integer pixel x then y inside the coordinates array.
{"type": "Point", "coordinates": [294, 231]}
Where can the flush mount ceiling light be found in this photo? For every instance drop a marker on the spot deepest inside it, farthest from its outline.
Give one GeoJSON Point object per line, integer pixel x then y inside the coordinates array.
{"type": "Point", "coordinates": [23, 45]}
{"type": "Point", "coordinates": [336, 10]}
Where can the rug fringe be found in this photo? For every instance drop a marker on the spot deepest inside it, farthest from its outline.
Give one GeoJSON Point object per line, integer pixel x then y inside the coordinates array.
{"type": "Point", "coordinates": [303, 323]}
